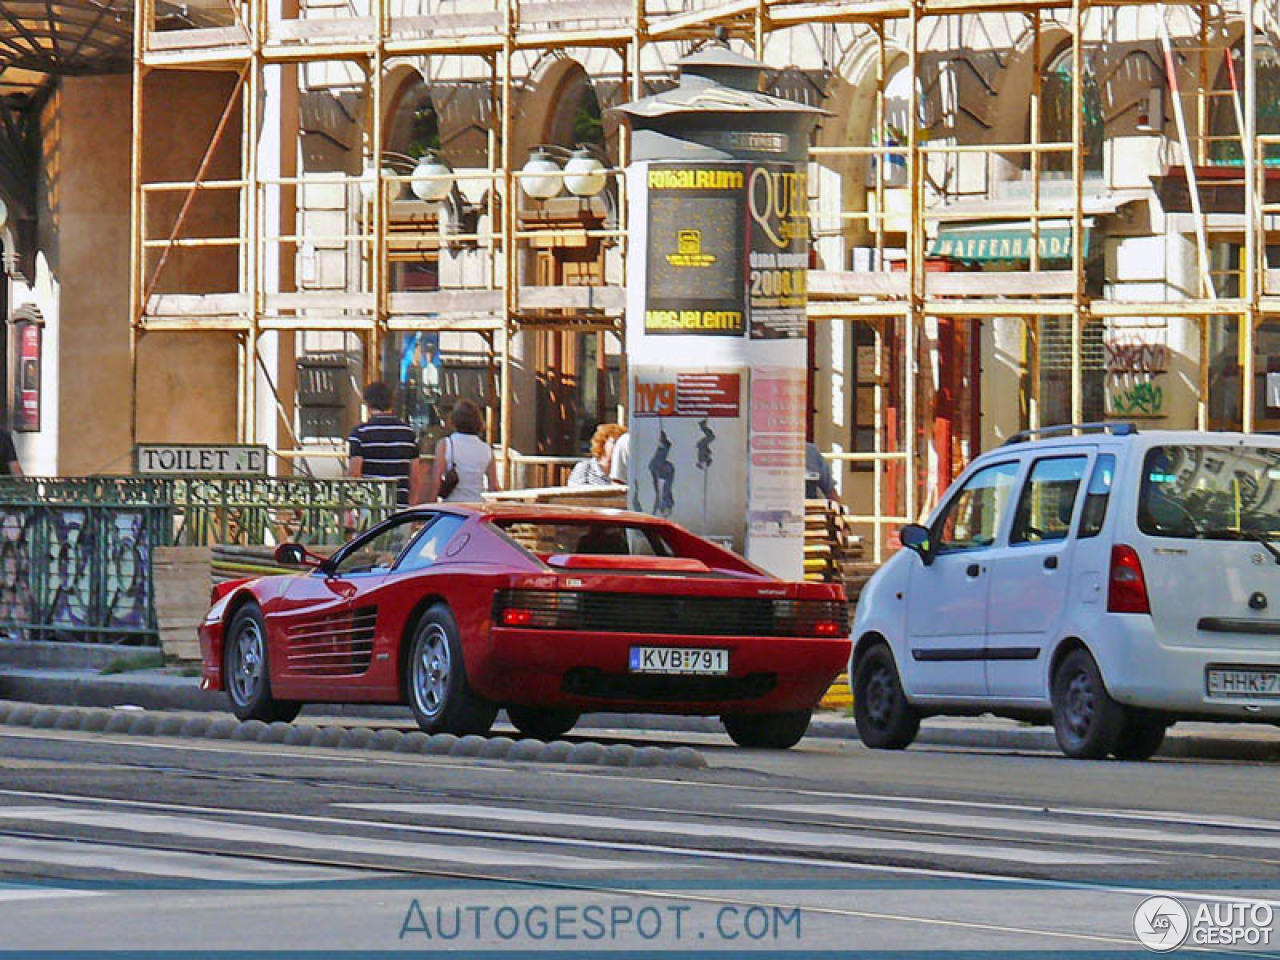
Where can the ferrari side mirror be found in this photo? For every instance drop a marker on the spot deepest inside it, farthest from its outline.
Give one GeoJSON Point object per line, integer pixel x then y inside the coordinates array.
{"type": "Point", "coordinates": [296, 555]}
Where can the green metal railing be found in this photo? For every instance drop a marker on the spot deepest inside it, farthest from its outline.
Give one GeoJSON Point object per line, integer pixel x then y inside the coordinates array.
{"type": "Point", "coordinates": [75, 553]}
{"type": "Point", "coordinates": [82, 571]}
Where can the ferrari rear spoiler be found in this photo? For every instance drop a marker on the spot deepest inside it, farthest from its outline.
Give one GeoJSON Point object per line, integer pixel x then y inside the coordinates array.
{"type": "Point", "coordinates": [640, 563]}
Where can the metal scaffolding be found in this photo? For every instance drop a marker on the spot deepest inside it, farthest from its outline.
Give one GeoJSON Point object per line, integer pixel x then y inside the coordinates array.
{"type": "Point", "coordinates": [249, 37]}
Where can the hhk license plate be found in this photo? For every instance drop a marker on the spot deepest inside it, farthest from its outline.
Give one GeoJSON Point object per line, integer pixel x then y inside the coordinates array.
{"type": "Point", "coordinates": [680, 660]}
{"type": "Point", "coordinates": [1242, 682]}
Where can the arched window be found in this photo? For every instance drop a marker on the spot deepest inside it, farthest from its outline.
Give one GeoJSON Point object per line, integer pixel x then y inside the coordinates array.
{"type": "Point", "coordinates": [414, 127]}
{"type": "Point", "coordinates": [1228, 99]}
{"type": "Point", "coordinates": [577, 117]}
{"type": "Point", "coordinates": [1057, 92]}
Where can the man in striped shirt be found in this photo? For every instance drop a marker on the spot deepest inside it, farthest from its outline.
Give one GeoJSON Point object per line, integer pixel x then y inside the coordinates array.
{"type": "Point", "coordinates": [384, 445]}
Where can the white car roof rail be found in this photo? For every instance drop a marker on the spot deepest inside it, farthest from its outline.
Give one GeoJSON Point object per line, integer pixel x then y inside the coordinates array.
{"type": "Point", "coordinates": [1115, 429]}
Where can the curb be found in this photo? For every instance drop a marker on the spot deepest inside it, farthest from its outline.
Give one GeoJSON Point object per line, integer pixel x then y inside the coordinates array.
{"type": "Point", "coordinates": [77, 689]}
{"type": "Point", "coordinates": [139, 723]}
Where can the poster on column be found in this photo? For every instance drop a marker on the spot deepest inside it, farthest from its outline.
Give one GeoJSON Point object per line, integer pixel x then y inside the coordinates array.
{"type": "Point", "coordinates": [778, 251]}
{"type": "Point", "coordinates": [693, 421]}
{"type": "Point", "coordinates": [775, 504]}
{"type": "Point", "coordinates": [696, 244]}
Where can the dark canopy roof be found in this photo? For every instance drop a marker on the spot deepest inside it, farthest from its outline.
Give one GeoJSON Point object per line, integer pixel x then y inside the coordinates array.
{"type": "Point", "coordinates": [66, 36]}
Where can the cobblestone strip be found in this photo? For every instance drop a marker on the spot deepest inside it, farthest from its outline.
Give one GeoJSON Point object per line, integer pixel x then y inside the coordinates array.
{"type": "Point", "coordinates": [139, 723]}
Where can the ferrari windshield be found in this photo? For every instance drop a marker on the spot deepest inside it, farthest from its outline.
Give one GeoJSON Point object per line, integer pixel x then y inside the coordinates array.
{"type": "Point", "coordinates": [1211, 492]}
{"type": "Point", "coordinates": [587, 536]}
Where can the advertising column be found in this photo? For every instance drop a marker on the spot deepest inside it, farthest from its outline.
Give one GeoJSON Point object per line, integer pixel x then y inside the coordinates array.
{"type": "Point", "coordinates": [716, 340]}
{"type": "Point", "coordinates": [716, 325]}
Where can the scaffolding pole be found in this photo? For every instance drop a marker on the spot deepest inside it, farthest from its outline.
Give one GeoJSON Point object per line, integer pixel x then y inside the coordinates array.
{"type": "Point", "coordinates": [137, 305]}
{"type": "Point", "coordinates": [509, 224]}
{"type": "Point", "coordinates": [1079, 303]}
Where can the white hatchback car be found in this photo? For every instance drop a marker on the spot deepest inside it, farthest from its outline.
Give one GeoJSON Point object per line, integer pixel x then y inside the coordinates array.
{"type": "Point", "coordinates": [1113, 580]}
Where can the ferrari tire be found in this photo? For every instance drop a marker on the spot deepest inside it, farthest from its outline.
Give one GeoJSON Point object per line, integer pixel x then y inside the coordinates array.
{"type": "Point", "coordinates": [542, 723]}
{"type": "Point", "coordinates": [1141, 734]}
{"type": "Point", "coordinates": [884, 717]}
{"type": "Point", "coordinates": [436, 678]}
{"type": "Point", "coordinates": [248, 676]}
{"type": "Point", "coordinates": [768, 731]}
{"type": "Point", "coordinates": [1088, 724]}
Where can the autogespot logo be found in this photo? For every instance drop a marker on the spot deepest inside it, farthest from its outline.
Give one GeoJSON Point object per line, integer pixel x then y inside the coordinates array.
{"type": "Point", "coordinates": [1161, 924]}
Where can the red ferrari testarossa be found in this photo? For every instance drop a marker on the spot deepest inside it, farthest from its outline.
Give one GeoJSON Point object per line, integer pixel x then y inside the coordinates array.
{"type": "Point", "coordinates": [544, 611]}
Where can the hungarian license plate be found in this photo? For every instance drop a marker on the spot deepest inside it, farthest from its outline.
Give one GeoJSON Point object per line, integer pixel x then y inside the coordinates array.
{"type": "Point", "coordinates": [1243, 682]}
{"type": "Point", "coordinates": [680, 660]}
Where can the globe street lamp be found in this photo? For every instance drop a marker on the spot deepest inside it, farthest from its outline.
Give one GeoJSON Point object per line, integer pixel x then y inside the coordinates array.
{"type": "Point", "coordinates": [584, 174]}
{"type": "Point", "coordinates": [432, 178]}
{"type": "Point", "coordinates": [540, 177]}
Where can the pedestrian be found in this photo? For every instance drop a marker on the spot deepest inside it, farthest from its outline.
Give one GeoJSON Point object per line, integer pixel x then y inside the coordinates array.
{"type": "Point", "coordinates": [463, 462]}
{"type": "Point", "coordinates": [9, 465]}
{"type": "Point", "coordinates": [818, 481]}
{"type": "Point", "coordinates": [594, 471]}
{"type": "Point", "coordinates": [384, 446]}
{"type": "Point", "coordinates": [620, 467]}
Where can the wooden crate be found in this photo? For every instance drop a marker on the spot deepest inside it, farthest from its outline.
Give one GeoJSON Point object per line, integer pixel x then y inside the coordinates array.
{"type": "Point", "coordinates": [181, 579]}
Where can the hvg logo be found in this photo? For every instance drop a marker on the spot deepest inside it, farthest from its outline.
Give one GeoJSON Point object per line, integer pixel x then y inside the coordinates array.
{"type": "Point", "coordinates": [1161, 924]}
{"type": "Point", "coordinates": [655, 399]}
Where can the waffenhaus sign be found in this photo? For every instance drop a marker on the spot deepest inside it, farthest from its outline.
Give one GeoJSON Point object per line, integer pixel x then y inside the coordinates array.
{"type": "Point", "coordinates": [201, 460]}
{"type": "Point", "coordinates": [1003, 241]}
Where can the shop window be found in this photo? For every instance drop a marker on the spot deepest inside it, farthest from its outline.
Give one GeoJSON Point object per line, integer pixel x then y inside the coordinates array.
{"type": "Point", "coordinates": [1057, 94]}
{"type": "Point", "coordinates": [1228, 94]}
{"type": "Point", "coordinates": [1055, 371]}
{"type": "Point", "coordinates": [863, 408]}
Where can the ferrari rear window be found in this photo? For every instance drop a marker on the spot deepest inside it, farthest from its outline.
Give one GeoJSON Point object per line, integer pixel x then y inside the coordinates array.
{"type": "Point", "coordinates": [587, 537]}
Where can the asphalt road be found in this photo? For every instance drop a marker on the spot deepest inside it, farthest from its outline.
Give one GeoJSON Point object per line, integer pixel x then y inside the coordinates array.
{"type": "Point", "coordinates": [215, 845]}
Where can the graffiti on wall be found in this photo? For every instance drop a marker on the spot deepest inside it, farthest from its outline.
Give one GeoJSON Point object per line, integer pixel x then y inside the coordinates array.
{"type": "Point", "coordinates": [1136, 369]}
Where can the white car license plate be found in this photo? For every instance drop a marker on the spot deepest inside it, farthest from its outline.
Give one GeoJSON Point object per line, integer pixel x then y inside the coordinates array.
{"type": "Point", "coordinates": [1238, 682]}
{"type": "Point", "coordinates": [697, 660]}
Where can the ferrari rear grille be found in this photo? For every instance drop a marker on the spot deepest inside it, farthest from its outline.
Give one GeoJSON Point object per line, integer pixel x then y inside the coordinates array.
{"type": "Point", "coordinates": [589, 682]}
{"type": "Point", "coordinates": [674, 615]}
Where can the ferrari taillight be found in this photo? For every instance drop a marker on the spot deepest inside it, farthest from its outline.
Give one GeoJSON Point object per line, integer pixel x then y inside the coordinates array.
{"type": "Point", "coordinates": [538, 609]}
{"type": "Point", "coordinates": [516, 617]}
{"type": "Point", "coordinates": [1127, 586]}
{"type": "Point", "coordinates": [811, 618]}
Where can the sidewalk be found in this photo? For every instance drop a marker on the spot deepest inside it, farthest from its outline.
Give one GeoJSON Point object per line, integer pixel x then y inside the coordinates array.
{"type": "Point", "coordinates": [76, 683]}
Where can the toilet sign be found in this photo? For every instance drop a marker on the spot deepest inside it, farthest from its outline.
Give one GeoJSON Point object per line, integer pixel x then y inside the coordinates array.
{"type": "Point", "coordinates": [201, 460]}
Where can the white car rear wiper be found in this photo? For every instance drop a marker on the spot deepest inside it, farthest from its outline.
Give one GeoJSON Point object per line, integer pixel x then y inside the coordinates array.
{"type": "Point", "coordinates": [1226, 534]}
{"type": "Point", "coordinates": [1271, 547]}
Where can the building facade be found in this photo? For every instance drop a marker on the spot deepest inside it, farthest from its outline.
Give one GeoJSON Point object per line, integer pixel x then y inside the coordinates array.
{"type": "Point", "coordinates": [1019, 217]}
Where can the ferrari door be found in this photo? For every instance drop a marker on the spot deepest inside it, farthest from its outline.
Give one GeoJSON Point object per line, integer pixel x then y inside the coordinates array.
{"type": "Point", "coordinates": [327, 628]}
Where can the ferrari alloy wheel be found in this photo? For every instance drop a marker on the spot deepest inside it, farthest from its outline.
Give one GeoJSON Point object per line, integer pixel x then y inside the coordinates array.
{"type": "Point", "coordinates": [884, 717]}
{"type": "Point", "coordinates": [436, 679]}
{"type": "Point", "coordinates": [768, 731]}
{"type": "Point", "coordinates": [1086, 721]}
{"type": "Point", "coordinates": [248, 681]}
{"type": "Point", "coordinates": [542, 723]}
{"type": "Point", "coordinates": [431, 671]}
